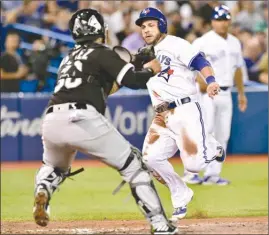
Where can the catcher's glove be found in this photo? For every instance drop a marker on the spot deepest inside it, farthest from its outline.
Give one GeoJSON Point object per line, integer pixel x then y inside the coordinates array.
{"type": "Point", "coordinates": [143, 56]}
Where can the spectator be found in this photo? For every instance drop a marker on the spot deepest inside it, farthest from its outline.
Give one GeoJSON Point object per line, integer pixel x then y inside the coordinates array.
{"type": "Point", "coordinates": [53, 7]}
{"type": "Point", "coordinates": [236, 7]}
{"type": "Point", "coordinates": [200, 26]}
{"type": "Point", "coordinates": [32, 13]}
{"type": "Point", "coordinates": [61, 26]}
{"type": "Point", "coordinates": [134, 41]}
{"type": "Point", "coordinates": [39, 59]}
{"type": "Point", "coordinates": [235, 29]}
{"type": "Point", "coordinates": [260, 74]}
{"type": "Point", "coordinates": [249, 17]}
{"type": "Point", "coordinates": [205, 11]}
{"type": "Point", "coordinates": [71, 5]}
{"type": "Point", "coordinates": [10, 10]}
{"type": "Point", "coordinates": [12, 68]}
{"type": "Point", "coordinates": [175, 27]}
{"type": "Point", "coordinates": [244, 35]}
{"type": "Point", "coordinates": [252, 51]}
{"type": "Point", "coordinates": [161, 6]}
{"type": "Point", "coordinates": [262, 26]}
{"type": "Point", "coordinates": [186, 12]}
{"type": "Point", "coordinates": [127, 17]}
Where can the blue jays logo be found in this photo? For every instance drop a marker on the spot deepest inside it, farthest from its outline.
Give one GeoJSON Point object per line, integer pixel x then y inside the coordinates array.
{"type": "Point", "coordinates": [146, 11]}
{"type": "Point", "coordinates": [167, 72]}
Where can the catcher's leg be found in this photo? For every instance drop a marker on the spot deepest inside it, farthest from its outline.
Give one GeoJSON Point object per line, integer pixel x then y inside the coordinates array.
{"type": "Point", "coordinates": [143, 190]}
{"type": "Point", "coordinates": [56, 167]}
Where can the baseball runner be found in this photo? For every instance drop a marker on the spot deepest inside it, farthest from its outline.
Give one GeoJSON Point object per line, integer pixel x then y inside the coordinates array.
{"type": "Point", "coordinates": [75, 121]}
{"type": "Point", "coordinates": [223, 50]}
{"type": "Point", "coordinates": [179, 120]}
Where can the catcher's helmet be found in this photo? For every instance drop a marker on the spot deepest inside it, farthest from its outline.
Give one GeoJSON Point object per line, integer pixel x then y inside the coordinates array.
{"type": "Point", "coordinates": [221, 12]}
{"type": "Point", "coordinates": [87, 25]}
{"type": "Point", "coordinates": [153, 13]}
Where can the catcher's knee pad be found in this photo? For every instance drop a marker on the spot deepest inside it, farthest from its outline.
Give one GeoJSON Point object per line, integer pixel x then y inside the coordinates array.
{"type": "Point", "coordinates": [49, 178]}
{"type": "Point", "coordinates": [142, 187]}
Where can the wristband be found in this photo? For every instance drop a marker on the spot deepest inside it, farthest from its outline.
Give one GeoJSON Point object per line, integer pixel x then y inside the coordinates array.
{"type": "Point", "coordinates": [210, 79]}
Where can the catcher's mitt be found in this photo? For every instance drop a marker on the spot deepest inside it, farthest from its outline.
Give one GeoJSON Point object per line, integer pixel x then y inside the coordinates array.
{"type": "Point", "coordinates": [143, 56]}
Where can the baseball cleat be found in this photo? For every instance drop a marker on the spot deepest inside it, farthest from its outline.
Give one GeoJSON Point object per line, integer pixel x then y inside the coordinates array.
{"type": "Point", "coordinates": [164, 229]}
{"type": "Point", "coordinates": [181, 212]}
{"type": "Point", "coordinates": [192, 178]}
{"type": "Point", "coordinates": [41, 208]}
{"type": "Point", "coordinates": [210, 180]}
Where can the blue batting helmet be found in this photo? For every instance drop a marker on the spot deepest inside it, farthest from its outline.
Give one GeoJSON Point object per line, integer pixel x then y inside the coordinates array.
{"type": "Point", "coordinates": [221, 12]}
{"type": "Point", "coordinates": [153, 13]}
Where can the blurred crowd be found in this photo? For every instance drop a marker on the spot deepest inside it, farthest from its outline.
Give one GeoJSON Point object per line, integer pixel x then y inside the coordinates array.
{"type": "Point", "coordinates": [27, 69]}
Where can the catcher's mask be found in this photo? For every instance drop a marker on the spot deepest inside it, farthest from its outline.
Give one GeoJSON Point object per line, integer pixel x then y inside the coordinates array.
{"type": "Point", "coordinates": [155, 14]}
{"type": "Point", "coordinates": [87, 25]}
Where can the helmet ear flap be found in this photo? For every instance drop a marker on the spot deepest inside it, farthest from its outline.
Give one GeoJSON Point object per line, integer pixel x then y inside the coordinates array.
{"type": "Point", "coordinates": [162, 26]}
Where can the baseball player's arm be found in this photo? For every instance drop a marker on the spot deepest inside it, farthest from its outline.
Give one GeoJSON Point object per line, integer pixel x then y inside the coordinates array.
{"type": "Point", "coordinates": [202, 65]}
{"type": "Point", "coordinates": [242, 99]}
{"type": "Point", "coordinates": [195, 60]}
{"type": "Point", "coordinates": [201, 82]}
{"type": "Point", "coordinates": [123, 73]}
{"type": "Point", "coordinates": [138, 79]}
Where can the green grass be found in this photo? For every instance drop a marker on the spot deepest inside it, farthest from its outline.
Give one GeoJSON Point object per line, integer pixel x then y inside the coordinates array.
{"type": "Point", "coordinates": [89, 196]}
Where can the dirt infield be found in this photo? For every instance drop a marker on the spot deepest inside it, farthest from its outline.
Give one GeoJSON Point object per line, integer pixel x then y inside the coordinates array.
{"type": "Point", "coordinates": [96, 163]}
{"type": "Point", "coordinates": [257, 225]}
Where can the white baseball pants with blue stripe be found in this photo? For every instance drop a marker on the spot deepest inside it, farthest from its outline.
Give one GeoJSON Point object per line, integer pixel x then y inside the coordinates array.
{"type": "Point", "coordinates": [181, 128]}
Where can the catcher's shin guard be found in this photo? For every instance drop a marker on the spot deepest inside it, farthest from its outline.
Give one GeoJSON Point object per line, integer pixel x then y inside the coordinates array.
{"type": "Point", "coordinates": [49, 178]}
{"type": "Point", "coordinates": [143, 190]}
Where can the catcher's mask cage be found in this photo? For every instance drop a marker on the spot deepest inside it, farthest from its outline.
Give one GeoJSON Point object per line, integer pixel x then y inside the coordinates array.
{"type": "Point", "coordinates": [87, 25]}
{"type": "Point", "coordinates": [155, 14]}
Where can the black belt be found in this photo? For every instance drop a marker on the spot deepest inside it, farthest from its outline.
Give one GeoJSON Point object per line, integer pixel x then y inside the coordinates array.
{"type": "Point", "coordinates": [167, 106]}
{"type": "Point", "coordinates": [224, 88]}
{"type": "Point", "coordinates": [70, 107]}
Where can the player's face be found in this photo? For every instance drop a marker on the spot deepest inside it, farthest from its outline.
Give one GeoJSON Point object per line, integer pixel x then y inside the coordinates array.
{"type": "Point", "coordinates": [221, 26]}
{"type": "Point", "coordinates": [150, 31]}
